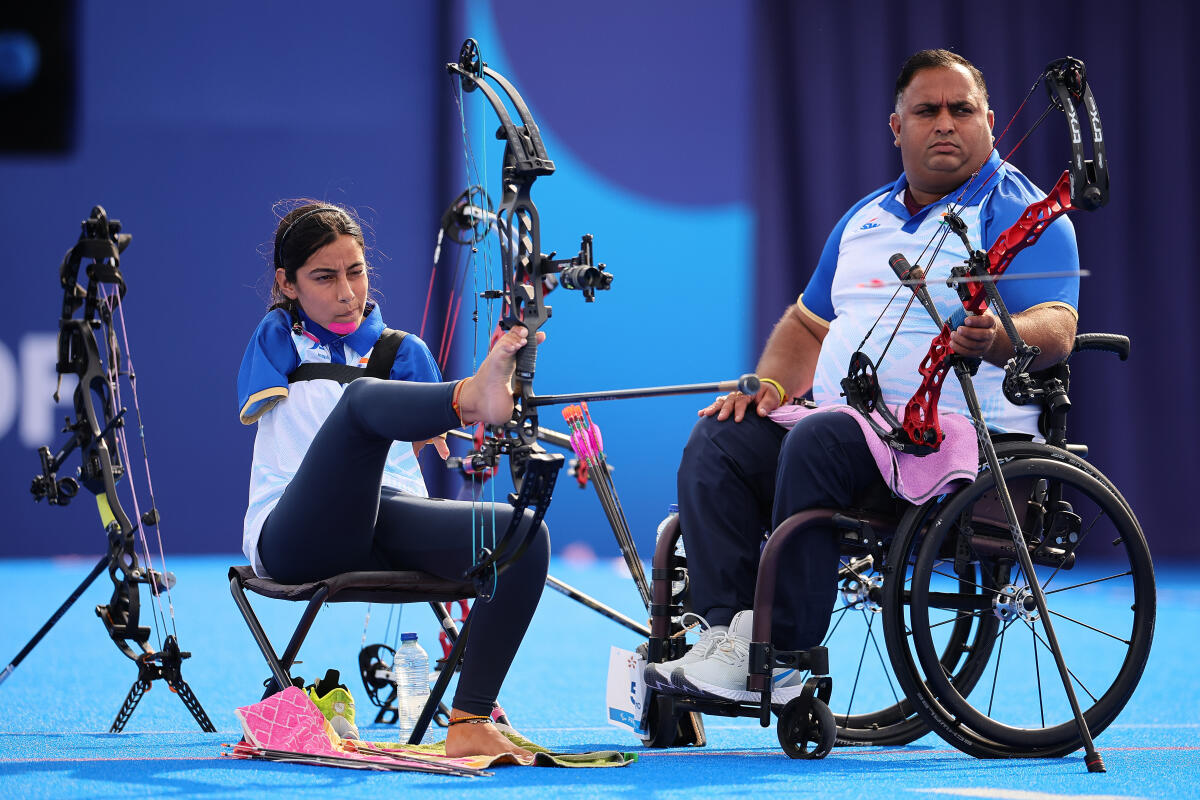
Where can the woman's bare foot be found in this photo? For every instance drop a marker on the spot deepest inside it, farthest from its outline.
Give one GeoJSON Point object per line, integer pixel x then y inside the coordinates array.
{"type": "Point", "coordinates": [480, 739]}
{"type": "Point", "coordinates": [487, 396]}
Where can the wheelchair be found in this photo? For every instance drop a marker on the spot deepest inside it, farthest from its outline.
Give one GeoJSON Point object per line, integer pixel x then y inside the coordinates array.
{"type": "Point", "coordinates": [964, 650]}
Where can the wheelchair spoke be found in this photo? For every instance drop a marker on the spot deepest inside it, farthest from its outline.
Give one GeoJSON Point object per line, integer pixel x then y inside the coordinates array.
{"type": "Point", "coordinates": [996, 671]}
{"type": "Point", "coordinates": [958, 617]}
{"type": "Point", "coordinates": [1083, 624]}
{"type": "Point", "coordinates": [887, 672]}
{"type": "Point", "coordinates": [1037, 674]}
{"type": "Point", "coordinates": [979, 586]}
{"type": "Point", "coordinates": [840, 613]}
{"type": "Point", "coordinates": [858, 672]}
{"type": "Point", "coordinates": [1124, 574]}
{"type": "Point", "coordinates": [1074, 677]}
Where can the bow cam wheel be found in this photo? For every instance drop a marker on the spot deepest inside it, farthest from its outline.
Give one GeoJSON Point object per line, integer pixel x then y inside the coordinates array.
{"type": "Point", "coordinates": [373, 659]}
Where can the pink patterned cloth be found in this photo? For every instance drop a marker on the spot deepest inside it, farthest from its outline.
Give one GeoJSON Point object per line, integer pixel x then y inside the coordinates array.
{"type": "Point", "coordinates": [288, 720]}
{"type": "Point", "coordinates": [914, 478]}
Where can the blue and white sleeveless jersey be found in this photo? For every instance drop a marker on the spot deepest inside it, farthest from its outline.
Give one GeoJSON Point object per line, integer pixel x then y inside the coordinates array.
{"type": "Point", "coordinates": [289, 416]}
{"type": "Point", "coordinates": [839, 297]}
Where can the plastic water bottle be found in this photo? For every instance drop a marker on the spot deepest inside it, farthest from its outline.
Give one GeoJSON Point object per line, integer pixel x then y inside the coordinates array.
{"type": "Point", "coordinates": [677, 587]}
{"type": "Point", "coordinates": [410, 669]}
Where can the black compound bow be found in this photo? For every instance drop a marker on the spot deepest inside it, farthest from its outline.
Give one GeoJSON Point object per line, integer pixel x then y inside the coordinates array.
{"type": "Point", "coordinates": [527, 275]}
{"type": "Point", "coordinates": [88, 348]}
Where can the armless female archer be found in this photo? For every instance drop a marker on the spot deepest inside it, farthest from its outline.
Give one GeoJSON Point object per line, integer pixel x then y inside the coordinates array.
{"type": "Point", "coordinates": [335, 485]}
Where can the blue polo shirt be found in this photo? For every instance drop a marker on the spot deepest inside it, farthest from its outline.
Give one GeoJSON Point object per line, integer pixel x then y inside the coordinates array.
{"type": "Point", "coordinates": [840, 295]}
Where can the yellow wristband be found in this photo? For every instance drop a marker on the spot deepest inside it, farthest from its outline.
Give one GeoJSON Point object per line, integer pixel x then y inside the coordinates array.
{"type": "Point", "coordinates": [783, 398]}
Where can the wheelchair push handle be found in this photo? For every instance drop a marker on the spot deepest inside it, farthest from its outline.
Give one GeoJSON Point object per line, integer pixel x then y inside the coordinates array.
{"type": "Point", "coordinates": [1108, 342]}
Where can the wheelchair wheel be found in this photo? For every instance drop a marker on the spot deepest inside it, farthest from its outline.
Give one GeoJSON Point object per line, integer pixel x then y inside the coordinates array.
{"type": "Point", "coordinates": [806, 728]}
{"type": "Point", "coordinates": [856, 643]}
{"type": "Point", "coordinates": [857, 658]}
{"type": "Point", "coordinates": [1092, 562]}
{"type": "Point", "coordinates": [866, 676]}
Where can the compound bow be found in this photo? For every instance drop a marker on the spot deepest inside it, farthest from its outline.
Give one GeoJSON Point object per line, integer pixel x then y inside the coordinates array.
{"type": "Point", "coordinates": [527, 275]}
{"type": "Point", "coordinates": [98, 432]}
{"type": "Point", "coordinates": [1084, 185]}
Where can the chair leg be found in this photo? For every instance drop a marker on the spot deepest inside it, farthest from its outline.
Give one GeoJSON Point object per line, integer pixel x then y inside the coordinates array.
{"type": "Point", "coordinates": [443, 680]}
{"type": "Point", "coordinates": [302, 627]}
{"type": "Point", "coordinates": [280, 666]}
{"type": "Point", "coordinates": [279, 674]}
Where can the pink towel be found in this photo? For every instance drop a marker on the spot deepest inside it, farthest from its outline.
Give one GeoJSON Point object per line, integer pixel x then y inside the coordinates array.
{"type": "Point", "coordinates": [914, 478]}
{"type": "Point", "coordinates": [288, 720]}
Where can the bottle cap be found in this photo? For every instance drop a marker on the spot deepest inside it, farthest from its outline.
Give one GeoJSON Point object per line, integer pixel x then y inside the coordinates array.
{"type": "Point", "coordinates": [408, 637]}
{"type": "Point", "coordinates": [673, 508]}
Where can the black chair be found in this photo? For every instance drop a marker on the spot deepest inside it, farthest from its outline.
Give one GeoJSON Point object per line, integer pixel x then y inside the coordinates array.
{"type": "Point", "coordinates": [355, 587]}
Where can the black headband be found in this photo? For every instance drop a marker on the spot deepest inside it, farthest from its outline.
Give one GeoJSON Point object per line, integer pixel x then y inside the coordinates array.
{"type": "Point", "coordinates": [292, 224]}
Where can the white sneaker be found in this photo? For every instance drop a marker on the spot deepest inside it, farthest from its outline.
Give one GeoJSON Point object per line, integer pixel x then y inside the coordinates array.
{"type": "Point", "coordinates": [658, 676]}
{"type": "Point", "coordinates": [723, 673]}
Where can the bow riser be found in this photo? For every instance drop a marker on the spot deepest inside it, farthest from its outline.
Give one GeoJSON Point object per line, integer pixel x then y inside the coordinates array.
{"type": "Point", "coordinates": [920, 423]}
{"type": "Point", "coordinates": [526, 270]}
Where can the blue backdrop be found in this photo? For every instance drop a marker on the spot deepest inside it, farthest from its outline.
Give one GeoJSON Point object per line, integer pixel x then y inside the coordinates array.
{"type": "Point", "coordinates": [707, 146]}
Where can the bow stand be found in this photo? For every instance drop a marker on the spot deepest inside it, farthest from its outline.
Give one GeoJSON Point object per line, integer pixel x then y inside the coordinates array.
{"type": "Point", "coordinates": [98, 432]}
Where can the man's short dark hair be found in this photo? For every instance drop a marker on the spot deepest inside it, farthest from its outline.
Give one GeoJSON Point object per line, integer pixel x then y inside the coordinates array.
{"type": "Point", "coordinates": [926, 59]}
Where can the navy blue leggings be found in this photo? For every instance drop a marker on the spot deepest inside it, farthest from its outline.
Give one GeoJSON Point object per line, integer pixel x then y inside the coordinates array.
{"type": "Point", "coordinates": [334, 518]}
{"type": "Point", "coordinates": [737, 481]}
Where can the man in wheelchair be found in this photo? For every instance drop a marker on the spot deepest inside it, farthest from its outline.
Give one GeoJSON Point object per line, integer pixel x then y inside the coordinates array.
{"type": "Point", "coordinates": [753, 461]}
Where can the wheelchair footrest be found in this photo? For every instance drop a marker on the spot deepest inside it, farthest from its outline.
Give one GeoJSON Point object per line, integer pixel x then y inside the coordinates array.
{"type": "Point", "coordinates": [764, 658]}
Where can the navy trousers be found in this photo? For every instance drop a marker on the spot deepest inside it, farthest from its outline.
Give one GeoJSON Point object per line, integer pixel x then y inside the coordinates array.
{"type": "Point", "coordinates": [334, 518]}
{"type": "Point", "coordinates": [736, 482]}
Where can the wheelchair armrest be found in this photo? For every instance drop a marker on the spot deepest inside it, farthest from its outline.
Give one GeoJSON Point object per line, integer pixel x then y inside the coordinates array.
{"type": "Point", "coordinates": [1108, 342]}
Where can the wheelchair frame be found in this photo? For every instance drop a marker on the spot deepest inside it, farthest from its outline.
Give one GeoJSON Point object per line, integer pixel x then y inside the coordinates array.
{"type": "Point", "coordinates": [892, 548]}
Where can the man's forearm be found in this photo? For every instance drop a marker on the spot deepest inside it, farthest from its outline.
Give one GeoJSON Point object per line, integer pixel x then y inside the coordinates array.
{"type": "Point", "coordinates": [790, 355]}
{"type": "Point", "coordinates": [1051, 328]}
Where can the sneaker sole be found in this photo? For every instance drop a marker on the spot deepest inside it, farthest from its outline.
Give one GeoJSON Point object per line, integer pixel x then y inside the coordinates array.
{"type": "Point", "coordinates": [654, 679]}
{"type": "Point", "coordinates": [780, 696]}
